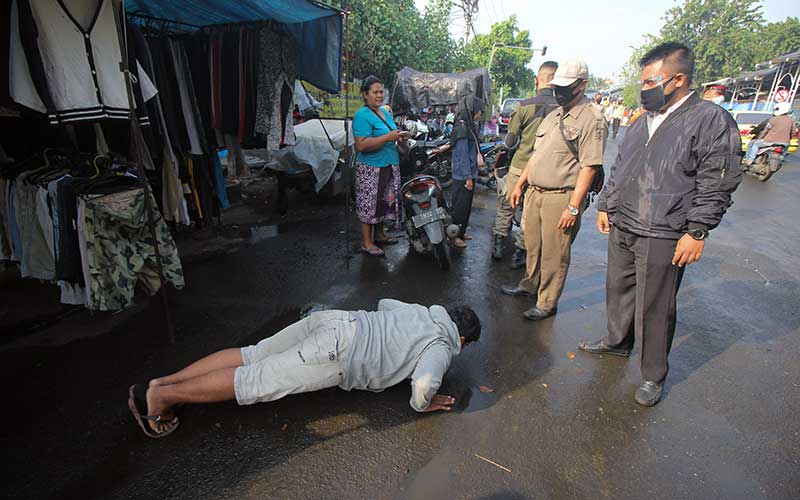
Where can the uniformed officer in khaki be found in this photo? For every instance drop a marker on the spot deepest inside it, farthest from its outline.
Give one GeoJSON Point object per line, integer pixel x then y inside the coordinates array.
{"type": "Point", "coordinates": [558, 175]}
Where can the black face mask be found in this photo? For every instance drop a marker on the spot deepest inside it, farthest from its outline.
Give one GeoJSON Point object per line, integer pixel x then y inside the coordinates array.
{"type": "Point", "coordinates": [655, 99]}
{"type": "Point", "coordinates": [565, 95]}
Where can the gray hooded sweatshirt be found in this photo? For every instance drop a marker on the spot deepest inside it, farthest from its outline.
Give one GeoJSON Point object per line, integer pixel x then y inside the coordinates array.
{"type": "Point", "coordinates": [401, 341]}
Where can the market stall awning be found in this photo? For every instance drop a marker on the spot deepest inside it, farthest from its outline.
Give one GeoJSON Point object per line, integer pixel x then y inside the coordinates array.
{"type": "Point", "coordinates": [754, 75]}
{"type": "Point", "coordinates": [317, 29]}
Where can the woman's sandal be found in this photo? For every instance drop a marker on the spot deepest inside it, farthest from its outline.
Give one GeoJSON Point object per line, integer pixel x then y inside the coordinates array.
{"type": "Point", "coordinates": [459, 243]}
{"type": "Point", "coordinates": [374, 252]}
{"type": "Point", "coordinates": [137, 404]}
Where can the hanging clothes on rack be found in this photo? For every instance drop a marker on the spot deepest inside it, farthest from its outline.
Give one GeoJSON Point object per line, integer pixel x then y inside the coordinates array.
{"type": "Point", "coordinates": [66, 62]}
{"type": "Point", "coordinates": [275, 71]}
{"type": "Point", "coordinates": [120, 252]}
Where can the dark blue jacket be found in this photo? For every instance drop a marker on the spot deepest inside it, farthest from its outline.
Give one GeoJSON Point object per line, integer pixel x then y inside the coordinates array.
{"type": "Point", "coordinates": [465, 158]}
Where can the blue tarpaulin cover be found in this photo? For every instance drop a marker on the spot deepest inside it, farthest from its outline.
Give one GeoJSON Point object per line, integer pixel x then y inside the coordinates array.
{"type": "Point", "coordinates": [316, 29]}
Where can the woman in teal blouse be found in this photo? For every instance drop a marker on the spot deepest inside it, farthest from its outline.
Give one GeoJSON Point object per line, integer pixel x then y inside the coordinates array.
{"type": "Point", "coordinates": [377, 168]}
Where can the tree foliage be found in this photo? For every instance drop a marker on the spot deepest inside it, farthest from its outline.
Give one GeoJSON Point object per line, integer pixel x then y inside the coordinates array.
{"type": "Point", "coordinates": [386, 35]}
{"type": "Point", "coordinates": [727, 36]}
{"type": "Point", "coordinates": [597, 82]}
{"type": "Point", "coordinates": [509, 66]}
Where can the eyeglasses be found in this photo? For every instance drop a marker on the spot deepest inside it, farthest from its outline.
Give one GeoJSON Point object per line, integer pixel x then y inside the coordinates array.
{"type": "Point", "coordinates": [652, 82]}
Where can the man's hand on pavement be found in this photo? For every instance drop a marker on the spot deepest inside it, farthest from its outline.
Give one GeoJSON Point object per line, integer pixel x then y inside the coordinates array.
{"type": "Point", "coordinates": [688, 251]}
{"type": "Point", "coordinates": [440, 402]}
{"type": "Point", "coordinates": [603, 225]}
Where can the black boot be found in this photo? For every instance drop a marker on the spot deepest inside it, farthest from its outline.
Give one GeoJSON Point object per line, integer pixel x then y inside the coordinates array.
{"type": "Point", "coordinates": [518, 259]}
{"type": "Point", "coordinates": [497, 250]}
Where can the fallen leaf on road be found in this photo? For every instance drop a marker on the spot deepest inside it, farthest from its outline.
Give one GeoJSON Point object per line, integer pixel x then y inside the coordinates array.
{"type": "Point", "coordinates": [571, 355]}
{"type": "Point", "coordinates": [483, 388]}
{"type": "Point", "coordinates": [544, 385]}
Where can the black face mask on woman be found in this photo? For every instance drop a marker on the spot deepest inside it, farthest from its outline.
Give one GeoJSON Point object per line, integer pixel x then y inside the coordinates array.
{"type": "Point", "coordinates": [655, 99]}
{"type": "Point", "coordinates": [565, 95]}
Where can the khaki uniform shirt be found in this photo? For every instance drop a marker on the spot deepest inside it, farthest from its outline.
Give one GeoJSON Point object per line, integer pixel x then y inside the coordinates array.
{"type": "Point", "coordinates": [552, 165]}
{"type": "Point", "coordinates": [525, 122]}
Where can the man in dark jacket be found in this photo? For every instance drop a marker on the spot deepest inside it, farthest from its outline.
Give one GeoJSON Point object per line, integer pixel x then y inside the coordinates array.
{"type": "Point", "coordinates": [671, 183]}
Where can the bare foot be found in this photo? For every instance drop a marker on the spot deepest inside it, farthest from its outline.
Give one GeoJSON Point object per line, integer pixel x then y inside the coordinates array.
{"type": "Point", "coordinates": [157, 408]}
{"type": "Point", "coordinates": [466, 237]}
{"type": "Point", "coordinates": [459, 243]}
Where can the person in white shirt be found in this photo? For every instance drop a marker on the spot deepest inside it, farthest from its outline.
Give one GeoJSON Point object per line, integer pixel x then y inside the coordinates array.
{"type": "Point", "coordinates": [366, 350]}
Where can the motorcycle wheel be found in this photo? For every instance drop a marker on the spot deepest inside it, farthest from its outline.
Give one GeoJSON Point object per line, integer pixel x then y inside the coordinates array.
{"type": "Point", "coordinates": [442, 255]}
{"type": "Point", "coordinates": [492, 183]}
{"type": "Point", "coordinates": [442, 173]}
{"type": "Point", "coordinates": [760, 169]}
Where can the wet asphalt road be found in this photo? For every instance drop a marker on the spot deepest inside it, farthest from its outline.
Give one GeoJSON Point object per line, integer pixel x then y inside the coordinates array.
{"type": "Point", "coordinates": [561, 424]}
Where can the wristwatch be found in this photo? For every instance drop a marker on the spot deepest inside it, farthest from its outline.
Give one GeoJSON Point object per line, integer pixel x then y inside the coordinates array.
{"type": "Point", "coordinates": [698, 233]}
{"type": "Point", "coordinates": [573, 211]}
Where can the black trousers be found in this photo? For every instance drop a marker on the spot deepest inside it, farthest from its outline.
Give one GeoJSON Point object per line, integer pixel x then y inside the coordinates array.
{"type": "Point", "coordinates": [614, 127]}
{"type": "Point", "coordinates": [641, 287]}
{"type": "Point", "coordinates": [462, 205]}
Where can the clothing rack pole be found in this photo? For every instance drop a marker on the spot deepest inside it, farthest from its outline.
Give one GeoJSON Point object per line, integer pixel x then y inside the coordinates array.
{"type": "Point", "coordinates": [148, 197]}
{"type": "Point", "coordinates": [351, 155]}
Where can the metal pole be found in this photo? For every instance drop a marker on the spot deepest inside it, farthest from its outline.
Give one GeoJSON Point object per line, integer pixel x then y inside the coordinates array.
{"type": "Point", "coordinates": [350, 154]}
{"type": "Point", "coordinates": [151, 220]}
{"type": "Point", "coordinates": [758, 91]}
{"type": "Point", "coordinates": [774, 86]}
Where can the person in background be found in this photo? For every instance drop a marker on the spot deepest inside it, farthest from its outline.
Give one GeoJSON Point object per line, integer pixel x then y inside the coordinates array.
{"type": "Point", "coordinates": [715, 94]}
{"type": "Point", "coordinates": [778, 130]}
{"type": "Point", "coordinates": [522, 128]}
{"type": "Point", "coordinates": [567, 155]}
{"type": "Point", "coordinates": [466, 160]}
{"type": "Point", "coordinates": [377, 168]}
{"type": "Point", "coordinates": [672, 182]}
{"type": "Point", "coordinates": [616, 118]}
{"type": "Point", "coordinates": [490, 128]}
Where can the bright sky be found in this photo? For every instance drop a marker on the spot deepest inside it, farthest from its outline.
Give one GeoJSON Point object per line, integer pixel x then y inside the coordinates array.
{"type": "Point", "coordinates": [601, 33]}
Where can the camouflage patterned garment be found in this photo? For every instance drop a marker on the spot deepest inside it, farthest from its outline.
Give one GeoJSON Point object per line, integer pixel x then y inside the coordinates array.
{"type": "Point", "coordinates": [120, 250]}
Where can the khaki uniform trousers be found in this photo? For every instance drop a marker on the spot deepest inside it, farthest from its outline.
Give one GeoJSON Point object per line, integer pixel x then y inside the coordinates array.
{"type": "Point", "coordinates": [503, 221]}
{"type": "Point", "coordinates": [549, 248]}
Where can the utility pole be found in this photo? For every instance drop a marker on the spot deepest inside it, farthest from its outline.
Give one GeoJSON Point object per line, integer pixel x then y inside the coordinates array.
{"type": "Point", "coordinates": [469, 8]}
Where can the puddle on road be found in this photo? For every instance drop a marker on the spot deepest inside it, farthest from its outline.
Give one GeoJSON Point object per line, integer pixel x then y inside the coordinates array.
{"type": "Point", "coordinates": [261, 233]}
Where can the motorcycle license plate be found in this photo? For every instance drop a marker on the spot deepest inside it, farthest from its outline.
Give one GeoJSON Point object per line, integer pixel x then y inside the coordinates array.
{"type": "Point", "coordinates": [428, 217]}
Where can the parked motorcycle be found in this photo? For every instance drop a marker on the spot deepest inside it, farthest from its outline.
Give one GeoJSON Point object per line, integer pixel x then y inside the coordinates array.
{"type": "Point", "coordinates": [769, 160]}
{"type": "Point", "coordinates": [494, 156]}
{"type": "Point", "coordinates": [427, 221]}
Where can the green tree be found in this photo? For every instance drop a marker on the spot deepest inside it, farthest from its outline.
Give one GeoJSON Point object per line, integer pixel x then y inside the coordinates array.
{"type": "Point", "coordinates": [509, 66]}
{"type": "Point", "coordinates": [727, 36]}
{"type": "Point", "coordinates": [723, 34]}
{"type": "Point", "coordinates": [597, 82]}
{"type": "Point", "coordinates": [780, 38]}
{"type": "Point", "coordinates": [386, 35]}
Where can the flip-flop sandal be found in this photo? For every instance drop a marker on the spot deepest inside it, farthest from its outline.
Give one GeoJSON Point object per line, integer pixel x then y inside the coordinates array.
{"type": "Point", "coordinates": [387, 241]}
{"type": "Point", "coordinates": [137, 404]}
{"type": "Point", "coordinates": [375, 252]}
{"type": "Point", "coordinates": [459, 243]}
{"type": "Point", "coordinates": [466, 237]}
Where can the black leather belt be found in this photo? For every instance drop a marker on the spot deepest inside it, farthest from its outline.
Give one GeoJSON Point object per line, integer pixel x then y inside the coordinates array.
{"type": "Point", "coordinates": [551, 190]}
